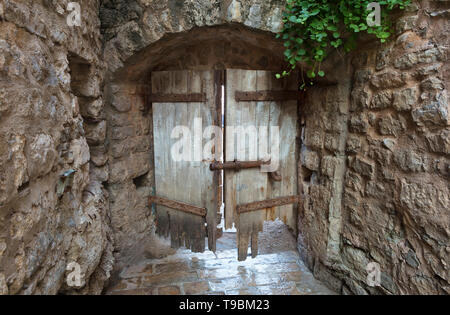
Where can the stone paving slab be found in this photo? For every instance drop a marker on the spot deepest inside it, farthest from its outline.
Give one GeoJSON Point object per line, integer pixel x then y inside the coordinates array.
{"type": "Point", "coordinates": [207, 273]}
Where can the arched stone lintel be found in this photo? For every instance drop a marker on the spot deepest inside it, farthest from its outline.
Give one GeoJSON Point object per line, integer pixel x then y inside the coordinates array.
{"type": "Point", "coordinates": [211, 47]}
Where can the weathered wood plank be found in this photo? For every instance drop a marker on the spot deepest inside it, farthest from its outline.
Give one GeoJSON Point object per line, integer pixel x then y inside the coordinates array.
{"type": "Point", "coordinates": [264, 107]}
{"type": "Point", "coordinates": [265, 96]}
{"type": "Point", "coordinates": [176, 205]}
{"type": "Point", "coordinates": [270, 203]}
{"type": "Point", "coordinates": [187, 181]}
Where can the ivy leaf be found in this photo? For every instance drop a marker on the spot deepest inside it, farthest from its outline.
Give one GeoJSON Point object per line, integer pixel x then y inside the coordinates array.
{"type": "Point", "coordinates": [288, 53]}
{"type": "Point", "coordinates": [311, 27]}
{"type": "Point", "coordinates": [332, 28]}
{"type": "Point", "coordinates": [384, 35]}
{"type": "Point", "coordinates": [293, 19]}
{"type": "Point", "coordinates": [315, 12]}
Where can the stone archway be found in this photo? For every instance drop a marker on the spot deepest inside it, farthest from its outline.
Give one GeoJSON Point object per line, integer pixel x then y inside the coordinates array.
{"type": "Point", "coordinates": [130, 141]}
{"type": "Point", "coordinates": [227, 34]}
{"type": "Point", "coordinates": [131, 26]}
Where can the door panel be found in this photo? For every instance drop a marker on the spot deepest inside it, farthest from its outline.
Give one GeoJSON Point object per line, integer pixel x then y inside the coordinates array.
{"type": "Point", "coordinates": [187, 181]}
{"type": "Point", "coordinates": [250, 185]}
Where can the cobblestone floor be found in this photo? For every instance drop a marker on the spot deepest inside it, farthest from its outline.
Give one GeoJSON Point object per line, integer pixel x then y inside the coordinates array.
{"type": "Point", "coordinates": [189, 273]}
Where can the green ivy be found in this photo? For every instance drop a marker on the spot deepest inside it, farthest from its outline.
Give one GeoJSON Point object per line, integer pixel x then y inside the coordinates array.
{"type": "Point", "coordinates": [313, 28]}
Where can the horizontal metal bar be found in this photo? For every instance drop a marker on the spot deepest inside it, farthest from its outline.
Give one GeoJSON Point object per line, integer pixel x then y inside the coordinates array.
{"type": "Point", "coordinates": [265, 204]}
{"type": "Point", "coordinates": [176, 205]}
{"type": "Point", "coordinates": [267, 96]}
{"type": "Point", "coordinates": [236, 165]}
{"type": "Point", "coordinates": [178, 98]}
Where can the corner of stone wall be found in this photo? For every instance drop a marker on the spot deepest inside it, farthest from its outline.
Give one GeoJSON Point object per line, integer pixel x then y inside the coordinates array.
{"type": "Point", "coordinates": [395, 197]}
{"type": "Point", "coordinates": [53, 208]}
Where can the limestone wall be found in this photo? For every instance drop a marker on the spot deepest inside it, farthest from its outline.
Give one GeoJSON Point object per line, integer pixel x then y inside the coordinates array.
{"type": "Point", "coordinates": [50, 87]}
{"type": "Point", "coordinates": [76, 135]}
{"type": "Point", "coordinates": [379, 192]}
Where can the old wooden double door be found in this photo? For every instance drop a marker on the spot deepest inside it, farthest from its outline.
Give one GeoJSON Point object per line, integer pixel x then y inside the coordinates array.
{"type": "Point", "coordinates": [239, 123]}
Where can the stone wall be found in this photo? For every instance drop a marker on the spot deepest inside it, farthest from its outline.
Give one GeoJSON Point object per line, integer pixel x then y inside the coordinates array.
{"type": "Point", "coordinates": [380, 192]}
{"type": "Point", "coordinates": [76, 132]}
{"type": "Point", "coordinates": [52, 212]}
{"type": "Point", "coordinates": [132, 25]}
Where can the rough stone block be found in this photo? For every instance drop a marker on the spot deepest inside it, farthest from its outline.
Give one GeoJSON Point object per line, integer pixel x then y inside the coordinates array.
{"type": "Point", "coordinates": [408, 160]}
{"type": "Point", "coordinates": [41, 155]}
{"type": "Point", "coordinates": [390, 126]}
{"type": "Point", "coordinates": [362, 167]}
{"type": "Point", "coordinates": [412, 59]}
{"type": "Point", "coordinates": [129, 167]}
{"type": "Point", "coordinates": [358, 124]}
{"type": "Point", "coordinates": [121, 103]}
{"type": "Point", "coordinates": [360, 99]}
{"type": "Point", "coordinates": [406, 24]}
{"type": "Point", "coordinates": [314, 138]}
{"type": "Point", "coordinates": [387, 79]}
{"type": "Point", "coordinates": [79, 151]}
{"type": "Point", "coordinates": [329, 164]}
{"type": "Point", "coordinates": [99, 155]}
{"type": "Point", "coordinates": [121, 133]}
{"type": "Point", "coordinates": [381, 100]}
{"type": "Point", "coordinates": [92, 110]}
{"type": "Point", "coordinates": [353, 144]}
{"type": "Point", "coordinates": [405, 99]}
{"type": "Point", "coordinates": [439, 143]}
{"type": "Point", "coordinates": [436, 112]}
{"type": "Point", "coordinates": [310, 159]}
{"type": "Point", "coordinates": [95, 133]}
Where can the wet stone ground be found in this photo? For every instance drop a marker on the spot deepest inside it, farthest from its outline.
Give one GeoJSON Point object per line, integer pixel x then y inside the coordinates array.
{"type": "Point", "coordinates": [279, 273]}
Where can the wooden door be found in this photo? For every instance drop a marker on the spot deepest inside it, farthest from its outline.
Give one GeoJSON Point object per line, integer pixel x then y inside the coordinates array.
{"type": "Point", "coordinates": [186, 190]}
{"type": "Point", "coordinates": [256, 99]}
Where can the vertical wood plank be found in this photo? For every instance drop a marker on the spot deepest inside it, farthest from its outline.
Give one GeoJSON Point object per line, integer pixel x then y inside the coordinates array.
{"type": "Point", "coordinates": [186, 181]}
{"type": "Point", "coordinates": [253, 185]}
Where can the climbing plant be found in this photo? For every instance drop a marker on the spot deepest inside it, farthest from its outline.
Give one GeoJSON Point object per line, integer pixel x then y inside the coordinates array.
{"type": "Point", "coordinates": [313, 28]}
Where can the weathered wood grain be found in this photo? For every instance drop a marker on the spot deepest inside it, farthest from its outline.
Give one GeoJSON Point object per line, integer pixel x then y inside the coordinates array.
{"type": "Point", "coordinates": [178, 98]}
{"type": "Point", "coordinates": [255, 96]}
{"type": "Point", "coordinates": [190, 181]}
{"type": "Point", "coordinates": [251, 185]}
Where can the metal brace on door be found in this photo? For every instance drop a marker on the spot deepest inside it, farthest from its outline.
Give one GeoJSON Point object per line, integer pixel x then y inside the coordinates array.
{"type": "Point", "coordinates": [176, 205]}
{"type": "Point", "coordinates": [239, 165]}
